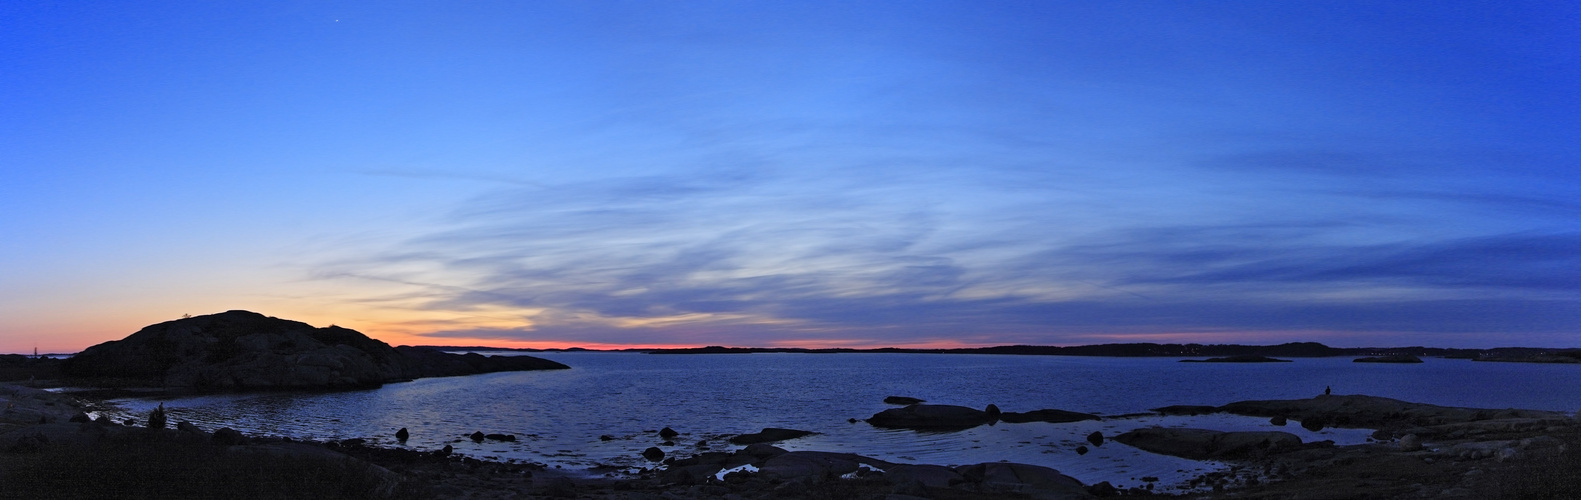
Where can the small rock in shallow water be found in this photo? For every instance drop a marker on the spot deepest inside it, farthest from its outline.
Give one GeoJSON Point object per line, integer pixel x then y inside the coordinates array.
{"type": "Point", "coordinates": [402, 435]}
{"type": "Point", "coordinates": [653, 454]}
{"type": "Point", "coordinates": [1096, 438]}
{"type": "Point", "coordinates": [477, 436]}
{"type": "Point", "coordinates": [1280, 421]}
{"type": "Point", "coordinates": [606, 437]}
{"type": "Point", "coordinates": [668, 433]}
{"type": "Point", "coordinates": [1081, 450]}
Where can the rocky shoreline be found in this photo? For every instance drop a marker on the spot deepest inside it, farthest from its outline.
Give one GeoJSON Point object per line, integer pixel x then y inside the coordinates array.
{"type": "Point", "coordinates": [1417, 451]}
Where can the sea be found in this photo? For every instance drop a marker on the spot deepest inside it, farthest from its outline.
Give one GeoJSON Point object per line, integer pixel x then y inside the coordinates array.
{"type": "Point", "coordinates": [597, 417]}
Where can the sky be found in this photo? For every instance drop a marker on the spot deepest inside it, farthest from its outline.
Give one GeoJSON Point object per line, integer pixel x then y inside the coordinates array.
{"type": "Point", "coordinates": [830, 174]}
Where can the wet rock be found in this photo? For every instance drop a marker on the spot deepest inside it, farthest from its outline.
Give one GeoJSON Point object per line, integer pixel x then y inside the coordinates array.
{"type": "Point", "coordinates": [227, 436]}
{"type": "Point", "coordinates": [476, 436]}
{"type": "Point", "coordinates": [1186, 410]}
{"type": "Point", "coordinates": [902, 400]}
{"type": "Point", "coordinates": [1096, 438]}
{"type": "Point", "coordinates": [769, 435]}
{"type": "Point", "coordinates": [185, 426]}
{"type": "Point", "coordinates": [1045, 415]}
{"type": "Point", "coordinates": [1279, 421]}
{"type": "Point", "coordinates": [816, 465]}
{"type": "Point", "coordinates": [1082, 450]}
{"type": "Point", "coordinates": [79, 418]}
{"type": "Point", "coordinates": [402, 435]}
{"type": "Point", "coordinates": [606, 437]}
{"type": "Point", "coordinates": [1201, 444]}
{"type": "Point", "coordinates": [510, 438]}
{"type": "Point", "coordinates": [668, 433]}
{"type": "Point", "coordinates": [653, 454]}
{"type": "Point", "coordinates": [930, 417]}
{"type": "Point", "coordinates": [444, 452]}
{"type": "Point", "coordinates": [992, 411]}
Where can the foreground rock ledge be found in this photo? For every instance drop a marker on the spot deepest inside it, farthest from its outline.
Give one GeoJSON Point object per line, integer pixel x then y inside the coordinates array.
{"type": "Point", "coordinates": [244, 351]}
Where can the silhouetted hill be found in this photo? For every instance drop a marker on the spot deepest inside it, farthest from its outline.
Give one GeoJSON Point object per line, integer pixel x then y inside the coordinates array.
{"type": "Point", "coordinates": [242, 350]}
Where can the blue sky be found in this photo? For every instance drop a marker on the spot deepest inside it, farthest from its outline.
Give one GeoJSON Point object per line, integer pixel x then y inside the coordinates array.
{"type": "Point", "coordinates": [755, 173]}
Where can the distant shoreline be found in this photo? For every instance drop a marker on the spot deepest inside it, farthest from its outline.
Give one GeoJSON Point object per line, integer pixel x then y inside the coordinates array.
{"type": "Point", "coordinates": [1134, 350]}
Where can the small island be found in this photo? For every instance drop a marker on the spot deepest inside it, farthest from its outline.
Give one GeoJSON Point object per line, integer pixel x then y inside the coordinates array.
{"type": "Point", "coordinates": [1237, 359]}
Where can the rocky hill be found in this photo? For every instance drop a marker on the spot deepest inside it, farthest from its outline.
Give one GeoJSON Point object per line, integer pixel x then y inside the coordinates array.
{"type": "Point", "coordinates": [243, 350]}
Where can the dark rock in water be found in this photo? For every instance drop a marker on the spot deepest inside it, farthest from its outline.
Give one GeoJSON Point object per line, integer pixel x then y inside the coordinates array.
{"type": "Point", "coordinates": [667, 443]}
{"type": "Point", "coordinates": [80, 417]}
{"type": "Point", "coordinates": [130, 422]}
{"type": "Point", "coordinates": [241, 350]}
{"type": "Point", "coordinates": [477, 436]}
{"type": "Point", "coordinates": [930, 417]}
{"type": "Point", "coordinates": [1397, 358]}
{"type": "Point", "coordinates": [992, 411]}
{"type": "Point", "coordinates": [1202, 444]}
{"type": "Point", "coordinates": [702, 444]}
{"type": "Point", "coordinates": [402, 435]}
{"type": "Point", "coordinates": [769, 435]}
{"type": "Point", "coordinates": [228, 437]}
{"type": "Point", "coordinates": [1314, 423]}
{"type": "Point", "coordinates": [653, 454]}
{"type": "Point", "coordinates": [156, 418]}
{"type": "Point", "coordinates": [902, 400]}
{"type": "Point", "coordinates": [1279, 421]}
{"type": "Point", "coordinates": [1237, 359]}
{"type": "Point", "coordinates": [501, 437]}
{"type": "Point", "coordinates": [668, 433]}
{"type": "Point", "coordinates": [1082, 450]}
{"type": "Point", "coordinates": [606, 437]}
{"type": "Point", "coordinates": [852, 420]}
{"type": "Point", "coordinates": [104, 420]}
{"type": "Point", "coordinates": [1046, 415]}
{"type": "Point", "coordinates": [1096, 438]}
{"type": "Point", "coordinates": [444, 452]}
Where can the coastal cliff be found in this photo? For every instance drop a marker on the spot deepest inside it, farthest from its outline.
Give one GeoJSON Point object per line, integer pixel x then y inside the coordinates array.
{"type": "Point", "coordinates": [243, 350]}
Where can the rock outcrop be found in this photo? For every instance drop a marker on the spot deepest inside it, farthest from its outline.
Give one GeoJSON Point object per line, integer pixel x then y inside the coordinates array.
{"type": "Point", "coordinates": [242, 350]}
{"type": "Point", "coordinates": [1202, 444]}
{"type": "Point", "coordinates": [1046, 415]}
{"type": "Point", "coordinates": [931, 417]}
{"type": "Point", "coordinates": [769, 435]}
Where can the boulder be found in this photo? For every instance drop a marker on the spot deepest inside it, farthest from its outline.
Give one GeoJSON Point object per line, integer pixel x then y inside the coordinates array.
{"type": "Point", "coordinates": [227, 436]}
{"type": "Point", "coordinates": [762, 451]}
{"type": "Point", "coordinates": [242, 350]}
{"type": "Point", "coordinates": [1410, 442]}
{"type": "Point", "coordinates": [1045, 415]}
{"type": "Point", "coordinates": [668, 433]}
{"type": "Point", "coordinates": [769, 435]}
{"type": "Point", "coordinates": [902, 400]}
{"type": "Point", "coordinates": [476, 436]}
{"type": "Point", "coordinates": [1096, 438]}
{"type": "Point", "coordinates": [653, 454]}
{"type": "Point", "coordinates": [1202, 444]}
{"type": "Point", "coordinates": [930, 417]}
{"type": "Point", "coordinates": [402, 435]}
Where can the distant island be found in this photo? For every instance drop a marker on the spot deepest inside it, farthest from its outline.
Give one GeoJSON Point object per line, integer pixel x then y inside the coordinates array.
{"type": "Point", "coordinates": [1137, 350]}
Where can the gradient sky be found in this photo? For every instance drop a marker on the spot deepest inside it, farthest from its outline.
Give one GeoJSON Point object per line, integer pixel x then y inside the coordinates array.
{"type": "Point", "coordinates": [796, 173]}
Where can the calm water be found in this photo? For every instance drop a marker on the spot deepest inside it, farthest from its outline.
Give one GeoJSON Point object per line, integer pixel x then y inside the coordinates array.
{"type": "Point", "coordinates": [558, 416]}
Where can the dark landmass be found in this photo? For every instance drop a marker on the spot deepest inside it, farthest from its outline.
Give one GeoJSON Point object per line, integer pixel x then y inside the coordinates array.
{"type": "Point", "coordinates": [247, 351]}
{"type": "Point", "coordinates": [1287, 350]}
{"type": "Point", "coordinates": [1237, 359]}
{"type": "Point", "coordinates": [1419, 451]}
{"type": "Point", "coordinates": [1398, 358]}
